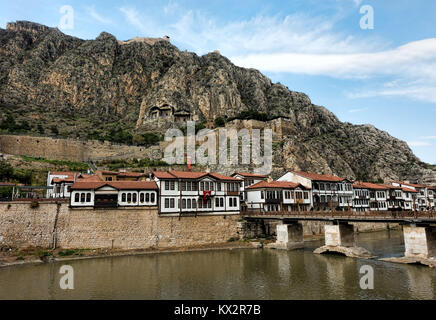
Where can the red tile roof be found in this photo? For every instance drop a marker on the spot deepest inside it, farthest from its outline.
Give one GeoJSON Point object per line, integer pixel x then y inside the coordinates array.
{"type": "Point", "coordinates": [119, 185]}
{"type": "Point", "coordinates": [188, 174]}
{"type": "Point", "coordinates": [409, 190]}
{"type": "Point", "coordinates": [368, 185]}
{"type": "Point", "coordinates": [389, 186]}
{"type": "Point", "coordinates": [319, 177]}
{"type": "Point", "coordinates": [109, 172]}
{"type": "Point", "coordinates": [174, 174]}
{"type": "Point", "coordinates": [250, 175]}
{"type": "Point", "coordinates": [163, 175]}
{"type": "Point", "coordinates": [69, 174]}
{"type": "Point", "coordinates": [88, 177]}
{"type": "Point", "coordinates": [276, 184]}
{"type": "Point", "coordinates": [411, 184]}
{"type": "Point", "coordinates": [60, 180]}
{"type": "Point", "coordinates": [222, 177]}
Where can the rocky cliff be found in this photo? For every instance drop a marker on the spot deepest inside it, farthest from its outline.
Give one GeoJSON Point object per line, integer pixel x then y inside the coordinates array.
{"type": "Point", "coordinates": [86, 87]}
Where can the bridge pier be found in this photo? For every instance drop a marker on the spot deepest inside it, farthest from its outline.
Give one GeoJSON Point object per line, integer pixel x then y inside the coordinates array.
{"type": "Point", "coordinates": [419, 242]}
{"type": "Point", "coordinates": [341, 234]}
{"type": "Point", "coordinates": [339, 238]}
{"type": "Point", "coordinates": [289, 237]}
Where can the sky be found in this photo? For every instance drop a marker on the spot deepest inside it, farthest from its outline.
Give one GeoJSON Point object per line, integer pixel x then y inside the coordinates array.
{"type": "Point", "coordinates": [367, 61]}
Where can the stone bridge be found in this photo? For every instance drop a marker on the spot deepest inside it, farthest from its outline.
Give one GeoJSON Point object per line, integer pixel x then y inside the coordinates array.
{"type": "Point", "coordinates": [419, 230]}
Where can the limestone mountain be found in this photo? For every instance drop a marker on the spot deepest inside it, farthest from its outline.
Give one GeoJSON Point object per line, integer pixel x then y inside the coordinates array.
{"type": "Point", "coordinates": [94, 88]}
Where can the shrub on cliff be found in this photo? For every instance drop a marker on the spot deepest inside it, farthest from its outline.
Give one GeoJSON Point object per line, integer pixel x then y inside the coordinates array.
{"type": "Point", "coordinates": [6, 171]}
{"type": "Point", "coordinates": [219, 122]}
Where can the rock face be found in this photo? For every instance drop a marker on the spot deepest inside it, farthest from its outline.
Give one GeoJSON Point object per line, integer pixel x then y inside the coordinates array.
{"type": "Point", "coordinates": [352, 252]}
{"type": "Point", "coordinates": [148, 84]}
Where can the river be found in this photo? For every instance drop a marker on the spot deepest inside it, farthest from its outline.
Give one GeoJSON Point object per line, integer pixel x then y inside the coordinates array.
{"type": "Point", "coordinates": [229, 274]}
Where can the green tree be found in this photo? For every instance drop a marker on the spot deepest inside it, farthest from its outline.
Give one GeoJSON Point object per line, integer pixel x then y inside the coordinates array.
{"type": "Point", "coordinates": [41, 129]}
{"type": "Point", "coordinates": [6, 171]}
{"type": "Point", "coordinates": [54, 130]}
{"type": "Point", "coordinates": [138, 139]}
{"type": "Point", "coordinates": [219, 122]}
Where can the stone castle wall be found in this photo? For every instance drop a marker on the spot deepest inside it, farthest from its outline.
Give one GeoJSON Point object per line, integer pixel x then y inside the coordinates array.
{"type": "Point", "coordinates": [70, 149]}
{"type": "Point", "coordinates": [23, 226]}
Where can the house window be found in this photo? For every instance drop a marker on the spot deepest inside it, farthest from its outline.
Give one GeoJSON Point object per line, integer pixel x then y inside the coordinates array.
{"type": "Point", "coordinates": [88, 197]}
{"type": "Point", "coordinates": [262, 195]}
{"type": "Point", "coordinates": [218, 186]}
{"type": "Point", "coordinates": [129, 197]}
{"type": "Point", "coordinates": [108, 179]}
{"type": "Point", "coordinates": [172, 185]}
{"type": "Point", "coordinates": [134, 198]}
{"type": "Point", "coordinates": [82, 197]}
{"type": "Point", "coordinates": [183, 185]}
{"type": "Point", "coordinates": [77, 197]}
{"type": "Point", "coordinates": [172, 203]}
{"type": "Point", "coordinates": [167, 185]}
{"type": "Point", "coordinates": [123, 197]}
{"type": "Point", "coordinates": [167, 203]}
{"type": "Point", "coordinates": [152, 197]}
{"type": "Point", "coordinates": [184, 204]}
{"type": "Point", "coordinates": [147, 197]}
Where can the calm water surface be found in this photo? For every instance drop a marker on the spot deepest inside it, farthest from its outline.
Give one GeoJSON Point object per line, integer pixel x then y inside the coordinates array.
{"type": "Point", "coordinates": [229, 274]}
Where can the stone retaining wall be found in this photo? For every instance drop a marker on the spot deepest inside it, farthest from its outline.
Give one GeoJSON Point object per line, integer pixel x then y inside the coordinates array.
{"type": "Point", "coordinates": [22, 226]}
{"type": "Point", "coordinates": [72, 150]}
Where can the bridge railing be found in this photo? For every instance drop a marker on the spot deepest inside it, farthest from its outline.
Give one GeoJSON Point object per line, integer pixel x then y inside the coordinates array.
{"type": "Point", "coordinates": [345, 214]}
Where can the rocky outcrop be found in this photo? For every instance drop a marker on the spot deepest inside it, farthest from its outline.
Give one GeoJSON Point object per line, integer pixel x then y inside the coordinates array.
{"type": "Point", "coordinates": [352, 252]}
{"type": "Point", "coordinates": [89, 87]}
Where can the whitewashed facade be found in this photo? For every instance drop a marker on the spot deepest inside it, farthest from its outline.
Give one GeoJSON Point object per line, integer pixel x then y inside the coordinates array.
{"type": "Point", "coordinates": [248, 179]}
{"type": "Point", "coordinates": [268, 196]}
{"type": "Point", "coordinates": [197, 193]}
{"type": "Point", "coordinates": [114, 194]}
{"type": "Point", "coordinates": [328, 192]}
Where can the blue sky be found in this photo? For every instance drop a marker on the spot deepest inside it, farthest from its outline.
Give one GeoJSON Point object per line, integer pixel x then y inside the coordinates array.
{"type": "Point", "coordinates": [385, 76]}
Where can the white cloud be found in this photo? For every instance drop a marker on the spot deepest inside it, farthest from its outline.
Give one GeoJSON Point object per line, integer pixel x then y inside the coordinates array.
{"type": "Point", "coordinates": [357, 2]}
{"type": "Point", "coordinates": [171, 7]}
{"type": "Point", "coordinates": [357, 110]}
{"type": "Point", "coordinates": [419, 144]}
{"type": "Point", "coordinates": [95, 15]}
{"type": "Point", "coordinates": [132, 17]}
{"type": "Point", "coordinates": [429, 137]}
{"type": "Point", "coordinates": [301, 44]}
{"type": "Point", "coordinates": [410, 59]}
